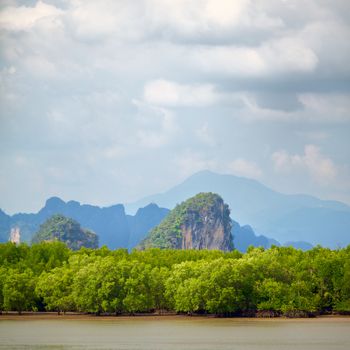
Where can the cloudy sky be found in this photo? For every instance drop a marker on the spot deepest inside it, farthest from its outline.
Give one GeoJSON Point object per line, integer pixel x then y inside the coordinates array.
{"type": "Point", "coordinates": [108, 101]}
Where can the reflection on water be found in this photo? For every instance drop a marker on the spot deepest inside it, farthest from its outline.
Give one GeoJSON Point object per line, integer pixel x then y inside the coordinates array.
{"type": "Point", "coordinates": [177, 333]}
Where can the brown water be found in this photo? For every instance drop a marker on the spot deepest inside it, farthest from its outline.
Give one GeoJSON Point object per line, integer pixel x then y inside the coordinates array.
{"type": "Point", "coordinates": [177, 333]}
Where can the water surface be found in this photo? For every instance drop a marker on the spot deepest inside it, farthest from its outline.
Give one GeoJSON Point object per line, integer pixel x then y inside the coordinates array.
{"type": "Point", "coordinates": [166, 333]}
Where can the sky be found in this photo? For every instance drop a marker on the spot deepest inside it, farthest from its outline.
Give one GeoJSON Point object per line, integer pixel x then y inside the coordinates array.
{"type": "Point", "coordinates": [108, 101]}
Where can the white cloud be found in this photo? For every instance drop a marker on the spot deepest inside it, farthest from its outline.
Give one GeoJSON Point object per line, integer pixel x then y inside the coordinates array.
{"type": "Point", "coordinates": [320, 107]}
{"type": "Point", "coordinates": [319, 167]}
{"type": "Point", "coordinates": [91, 19]}
{"type": "Point", "coordinates": [288, 54]}
{"type": "Point", "coordinates": [277, 56]}
{"type": "Point", "coordinates": [328, 38]}
{"type": "Point", "coordinates": [156, 126]}
{"type": "Point", "coordinates": [215, 81]}
{"type": "Point", "coordinates": [232, 60]}
{"type": "Point", "coordinates": [243, 167]}
{"type": "Point", "coordinates": [24, 18]}
{"type": "Point", "coordinates": [168, 93]}
{"type": "Point", "coordinates": [208, 18]}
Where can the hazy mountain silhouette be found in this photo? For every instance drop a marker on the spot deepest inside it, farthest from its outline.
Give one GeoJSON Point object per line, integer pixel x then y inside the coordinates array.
{"type": "Point", "coordinates": [145, 219]}
{"type": "Point", "coordinates": [296, 219]}
{"type": "Point", "coordinates": [284, 217]}
{"type": "Point", "coordinates": [114, 228]}
{"type": "Point", "coordinates": [109, 223]}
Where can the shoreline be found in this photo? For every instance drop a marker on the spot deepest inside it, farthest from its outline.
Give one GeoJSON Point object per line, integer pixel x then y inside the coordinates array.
{"type": "Point", "coordinates": [155, 317]}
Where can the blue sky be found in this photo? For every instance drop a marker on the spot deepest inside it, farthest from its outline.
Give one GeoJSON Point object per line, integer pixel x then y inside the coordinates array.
{"type": "Point", "coordinates": [108, 101]}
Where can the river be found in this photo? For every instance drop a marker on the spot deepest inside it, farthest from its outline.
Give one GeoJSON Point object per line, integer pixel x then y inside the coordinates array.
{"type": "Point", "coordinates": [174, 333]}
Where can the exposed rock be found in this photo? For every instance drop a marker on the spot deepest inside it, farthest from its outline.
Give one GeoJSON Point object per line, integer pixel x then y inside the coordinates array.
{"type": "Point", "coordinates": [201, 222]}
{"type": "Point", "coordinates": [15, 235]}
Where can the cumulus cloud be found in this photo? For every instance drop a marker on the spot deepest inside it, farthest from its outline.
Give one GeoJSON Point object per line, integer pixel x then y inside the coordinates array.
{"type": "Point", "coordinates": [17, 18]}
{"type": "Point", "coordinates": [209, 21]}
{"type": "Point", "coordinates": [125, 90]}
{"type": "Point", "coordinates": [321, 168]}
{"type": "Point", "coordinates": [98, 20]}
{"type": "Point", "coordinates": [232, 60]}
{"type": "Point", "coordinates": [168, 93]}
{"type": "Point", "coordinates": [274, 57]}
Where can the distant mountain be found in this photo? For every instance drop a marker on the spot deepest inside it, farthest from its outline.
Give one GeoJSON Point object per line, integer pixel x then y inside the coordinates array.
{"type": "Point", "coordinates": [200, 222]}
{"type": "Point", "coordinates": [98, 219]}
{"type": "Point", "coordinates": [5, 226]}
{"type": "Point", "coordinates": [109, 223]}
{"type": "Point", "coordinates": [244, 236]}
{"type": "Point", "coordinates": [145, 219]}
{"type": "Point", "coordinates": [284, 217]}
{"type": "Point", "coordinates": [299, 245]}
{"type": "Point", "coordinates": [114, 228]}
{"type": "Point", "coordinates": [67, 230]}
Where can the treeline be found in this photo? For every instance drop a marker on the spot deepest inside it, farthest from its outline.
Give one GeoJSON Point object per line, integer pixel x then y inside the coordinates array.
{"type": "Point", "coordinates": [277, 281]}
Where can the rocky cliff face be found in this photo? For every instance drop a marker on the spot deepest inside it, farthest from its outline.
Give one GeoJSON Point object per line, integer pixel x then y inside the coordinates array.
{"type": "Point", "coordinates": [201, 222]}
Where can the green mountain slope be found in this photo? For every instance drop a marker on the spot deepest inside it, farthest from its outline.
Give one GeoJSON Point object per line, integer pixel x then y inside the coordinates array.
{"type": "Point", "coordinates": [201, 222]}
{"type": "Point", "coordinates": [61, 228]}
{"type": "Point", "coordinates": [281, 216]}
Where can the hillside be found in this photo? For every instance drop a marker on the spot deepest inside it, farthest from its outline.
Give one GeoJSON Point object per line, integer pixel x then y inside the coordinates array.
{"type": "Point", "coordinates": [283, 217]}
{"type": "Point", "coordinates": [201, 222]}
{"type": "Point", "coordinates": [63, 229]}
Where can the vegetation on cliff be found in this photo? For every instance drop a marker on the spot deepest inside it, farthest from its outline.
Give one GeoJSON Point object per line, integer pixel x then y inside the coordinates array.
{"type": "Point", "coordinates": [61, 228]}
{"type": "Point", "coordinates": [201, 216]}
{"type": "Point", "coordinates": [277, 281]}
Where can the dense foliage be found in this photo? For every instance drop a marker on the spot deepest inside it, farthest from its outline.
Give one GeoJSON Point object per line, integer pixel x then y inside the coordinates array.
{"type": "Point", "coordinates": [168, 234]}
{"type": "Point", "coordinates": [61, 228]}
{"type": "Point", "coordinates": [49, 276]}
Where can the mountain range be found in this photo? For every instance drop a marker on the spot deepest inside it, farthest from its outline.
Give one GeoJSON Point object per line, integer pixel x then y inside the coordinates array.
{"type": "Point", "coordinates": [284, 217]}
{"type": "Point", "coordinates": [114, 228]}
{"type": "Point", "coordinates": [268, 217]}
